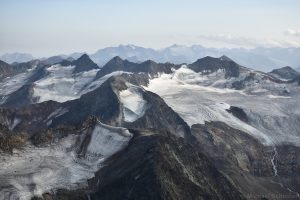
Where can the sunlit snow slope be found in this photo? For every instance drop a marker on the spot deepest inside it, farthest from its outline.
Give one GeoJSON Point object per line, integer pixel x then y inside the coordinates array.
{"type": "Point", "coordinates": [134, 105]}
{"type": "Point", "coordinates": [272, 119]}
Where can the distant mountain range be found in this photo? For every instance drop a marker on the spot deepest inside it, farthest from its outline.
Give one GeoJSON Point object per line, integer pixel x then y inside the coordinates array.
{"type": "Point", "coordinates": [263, 59]}
{"type": "Point", "coordinates": [16, 57]}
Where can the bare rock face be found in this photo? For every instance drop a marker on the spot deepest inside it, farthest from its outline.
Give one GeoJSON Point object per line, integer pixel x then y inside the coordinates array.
{"type": "Point", "coordinates": [29, 119]}
{"type": "Point", "coordinates": [149, 67]}
{"type": "Point", "coordinates": [285, 73]}
{"type": "Point", "coordinates": [251, 166]}
{"type": "Point", "coordinates": [156, 166]}
{"type": "Point", "coordinates": [84, 63]}
{"type": "Point", "coordinates": [5, 68]}
{"type": "Point", "coordinates": [159, 116]}
{"type": "Point", "coordinates": [208, 65]}
{"type": "Point", "coordinates": [8, 70]}
{"type": "Point", "coordinates": [238, 112]}
{"type": "Point", "coordinates": [288, 166]}
{"type": "Point", "coordinates": [11, 140]}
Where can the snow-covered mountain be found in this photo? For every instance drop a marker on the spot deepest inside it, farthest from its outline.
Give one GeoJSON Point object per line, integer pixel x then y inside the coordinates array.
{"type": "Point", "coordinates": [210, 129]}
{"type": "Point", "coordinates": [16, 57]}
{"type": "Point", "coordinates": [263, 59]}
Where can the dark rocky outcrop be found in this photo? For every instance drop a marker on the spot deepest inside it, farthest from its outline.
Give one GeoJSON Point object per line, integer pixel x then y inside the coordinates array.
{"type": "Point", "coordinates": [29, 119]}
{"type": "Point", "coordinates": [209, 64]}
{"type": "Point", "coordinates": [160, 166]}
{"type": "Point", "coordinates": [238, 112]}
{"type": "Point", "coordinates": [159, 116]}
{"type": "Point", "coordinates": [102, 103]}
{"type": "Point", "coordinates": [84, 63]}
{"type": "Point", "coordinates": [285, 73]}
{"type": "Point", "coordinates": [247, 162]}
{"type": "Point", "coordinates": [10, 140]}
{"type": "Point", "coordinates": [7, 70]}
{"type": "Point", "coordinates": [136, 79]}
{"type": "Point", "coordinates": [149, 67]}
{"type": "Point", "coordinates": [288, 166]}
{"type": "Point", "coordinates": [53, 60]}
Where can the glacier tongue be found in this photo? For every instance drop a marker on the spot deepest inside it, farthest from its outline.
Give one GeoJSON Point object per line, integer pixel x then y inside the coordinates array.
{"type": "Point", "coordinates": [35, 170]}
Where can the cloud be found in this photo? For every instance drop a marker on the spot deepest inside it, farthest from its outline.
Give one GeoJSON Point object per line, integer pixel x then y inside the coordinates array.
{"type": "Point", "coordinates": [232, 40]}
{"type": "Point", "coordinates": [292, 32]}
{"type": "Point", "coordinates": [249, 42]}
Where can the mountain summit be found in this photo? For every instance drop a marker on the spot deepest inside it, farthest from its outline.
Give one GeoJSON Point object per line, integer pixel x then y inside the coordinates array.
{"type": "Point", "coordinates": [210, 64]}
{"type": "Point", "coordinates": [84, 63]}
{"type": "Point", "coordinates": [285, 73]}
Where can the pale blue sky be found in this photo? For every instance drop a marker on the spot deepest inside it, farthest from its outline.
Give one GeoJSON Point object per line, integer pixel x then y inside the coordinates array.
{"type": "Point", "coordinates": [49, 27]}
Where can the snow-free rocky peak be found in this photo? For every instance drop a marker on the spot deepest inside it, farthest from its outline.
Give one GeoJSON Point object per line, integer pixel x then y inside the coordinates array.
{"type": "Point", "coordinates": [209, 65]}
{"type": "Point", "coordinates": [148, 67]}
{"type": "Point", "coordinates": [84, 63]}
{"type": "Point", "coordinates": [285, 73]}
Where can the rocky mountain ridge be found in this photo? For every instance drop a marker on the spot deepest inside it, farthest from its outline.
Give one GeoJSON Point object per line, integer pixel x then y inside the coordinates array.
{"type": "Point", "coordinates": [148, 130]}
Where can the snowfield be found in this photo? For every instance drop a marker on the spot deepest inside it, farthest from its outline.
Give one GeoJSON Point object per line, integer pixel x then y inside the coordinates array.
{"type": "Point", "coordinates": [134, 106]}
{"type": "Point", "coordinates": [35, 170]}
{"type": "Point", "coordinates": [272, 119]}
{"type": "Point", "coordinates": [11, 84]}
{"type": "Point", "coordinates": [61, 84]}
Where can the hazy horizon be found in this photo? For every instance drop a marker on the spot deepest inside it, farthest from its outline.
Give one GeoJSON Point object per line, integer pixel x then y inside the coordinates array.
{"type": "Point", "coordinates": [46, 28]}
{"type": "Point", "coordinates": [159, 48]}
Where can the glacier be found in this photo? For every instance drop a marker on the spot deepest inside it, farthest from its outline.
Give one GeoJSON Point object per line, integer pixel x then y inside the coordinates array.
{"type": "Point", "coordinates": [33, 170]}
{"type": "Point", "coordinates": [197, 98]}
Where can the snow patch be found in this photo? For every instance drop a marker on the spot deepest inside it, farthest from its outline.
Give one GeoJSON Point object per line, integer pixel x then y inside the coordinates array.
{"type": "Point", "coordinates": [14, 123]}
{"type": "Point", "coordinates": [105, 142]}
{"type": "Point", "coordinates": [134, 106]}
{"type": "Point", "coordinates": [278, 97]}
